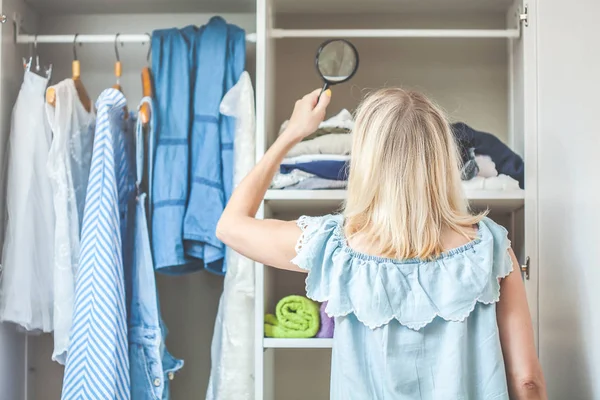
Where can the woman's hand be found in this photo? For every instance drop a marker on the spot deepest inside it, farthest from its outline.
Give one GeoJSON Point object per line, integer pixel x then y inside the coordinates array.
{"type": "Point", "coordinates": [308, 113]}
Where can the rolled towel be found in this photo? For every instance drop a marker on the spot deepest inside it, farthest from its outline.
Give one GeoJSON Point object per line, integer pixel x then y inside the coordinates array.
{"type": "Point", "coordinates": [295, 317]}
{"type": "Point", "coordinates": [327, 324]}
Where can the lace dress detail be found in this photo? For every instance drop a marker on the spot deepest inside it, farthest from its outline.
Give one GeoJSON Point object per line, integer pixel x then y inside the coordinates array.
{"type": "Point", "coordinates": [68, 167]}
{"type": "Point", "coordinates": [26, 291]}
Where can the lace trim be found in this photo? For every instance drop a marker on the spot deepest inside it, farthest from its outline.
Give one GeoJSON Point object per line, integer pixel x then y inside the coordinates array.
{"type": "Point", "coordinates": [303, 223]}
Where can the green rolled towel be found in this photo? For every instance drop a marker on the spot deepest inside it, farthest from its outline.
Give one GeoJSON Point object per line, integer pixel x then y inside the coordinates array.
{"type": "Point", "coordinates": [295, 317]}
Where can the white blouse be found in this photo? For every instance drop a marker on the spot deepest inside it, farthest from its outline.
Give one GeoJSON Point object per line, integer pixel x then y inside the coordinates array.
{"type": "Point", "coordinates": [26, 289]}
{"type": "Point", "coordinates": [68, 167]}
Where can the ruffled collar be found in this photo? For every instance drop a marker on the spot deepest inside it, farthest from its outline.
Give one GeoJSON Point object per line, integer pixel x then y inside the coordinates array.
{"type": "Point", "coordinates": [414, 292]}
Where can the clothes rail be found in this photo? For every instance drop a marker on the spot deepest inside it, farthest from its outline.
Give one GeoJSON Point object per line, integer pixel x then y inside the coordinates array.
{"type": "Point", "coordinates": [123, 38]}
{"type": "Point", "coordinates": [396, 33]}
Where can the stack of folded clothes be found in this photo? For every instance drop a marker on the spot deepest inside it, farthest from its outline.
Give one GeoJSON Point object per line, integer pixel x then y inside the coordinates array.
{"type": "Point", "coordinates": [321, 160]}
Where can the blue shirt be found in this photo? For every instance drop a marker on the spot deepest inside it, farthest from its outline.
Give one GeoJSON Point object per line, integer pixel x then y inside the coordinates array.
{"type": "Point", "coordinates": [97, 364]}
{"type": "Point", "coordinates": [409, 329]}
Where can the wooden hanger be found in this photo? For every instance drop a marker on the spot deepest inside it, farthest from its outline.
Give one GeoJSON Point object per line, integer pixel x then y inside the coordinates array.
{"type": "Point", "coordinates": [146, 88]}
{"type": "Point", "coordinates": [118, 66]}
{"type": "Point", "coordinates": [84, 98]}
{"type": "Point", "coordinates": [119, 71]}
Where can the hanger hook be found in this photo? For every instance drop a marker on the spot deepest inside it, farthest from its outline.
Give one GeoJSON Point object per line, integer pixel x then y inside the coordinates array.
{"type": "Point", "coordinates": [149, 47]}
{"type": "Point", "coordinates": [37, 55]}
{"type": "Point", "coordinates": [75, 47]}
{"type": "Point", "coordinates": [117, 47]}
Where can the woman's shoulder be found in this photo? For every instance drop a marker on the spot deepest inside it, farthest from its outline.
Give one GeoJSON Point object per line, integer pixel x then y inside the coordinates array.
{"type": "Point", "coordinates": [413, 292]}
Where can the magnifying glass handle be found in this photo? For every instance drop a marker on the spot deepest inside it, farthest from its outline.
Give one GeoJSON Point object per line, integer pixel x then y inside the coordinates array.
{"type": "Point", "coordinates": [325, 87]}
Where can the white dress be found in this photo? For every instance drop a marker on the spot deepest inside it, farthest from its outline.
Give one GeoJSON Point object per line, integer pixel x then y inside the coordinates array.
{"type": "Point", "coordinates": [68, 168]}
{"type": "Point", "coordinates": [232, 349]}
{"type": "Point", "coordinates": [26, 287]}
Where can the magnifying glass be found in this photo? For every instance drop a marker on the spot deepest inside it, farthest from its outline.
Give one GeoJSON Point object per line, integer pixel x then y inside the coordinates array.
{"type": "Point", "coordinates": [336, 62]}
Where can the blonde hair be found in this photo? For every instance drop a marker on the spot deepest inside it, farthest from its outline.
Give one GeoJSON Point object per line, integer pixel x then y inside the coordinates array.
{"type": "Point", "coordinates": [404, 184]}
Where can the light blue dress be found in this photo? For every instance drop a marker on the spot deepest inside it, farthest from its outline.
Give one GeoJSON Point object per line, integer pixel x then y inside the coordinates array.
{"type": "Point", "coordinates": [409, 329]}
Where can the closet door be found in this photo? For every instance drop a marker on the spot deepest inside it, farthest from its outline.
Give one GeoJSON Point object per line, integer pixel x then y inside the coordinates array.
{"type": "Point", "coordinates": [523, 134]}
{"type": "Point", "coordinates": [569, 196]}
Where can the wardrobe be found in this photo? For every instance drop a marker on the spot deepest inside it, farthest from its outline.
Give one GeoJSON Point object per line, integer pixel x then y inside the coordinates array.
{"type": "Point", "coordinates": [524, 70]}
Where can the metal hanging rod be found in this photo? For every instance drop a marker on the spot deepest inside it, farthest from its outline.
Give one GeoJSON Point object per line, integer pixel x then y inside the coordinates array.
{"type": "Point", "coordinates": [70, 39]}
{"type": "Point", "coordinates": [21, 36]}
{"type": "Point", "coordinates": [396, 33]}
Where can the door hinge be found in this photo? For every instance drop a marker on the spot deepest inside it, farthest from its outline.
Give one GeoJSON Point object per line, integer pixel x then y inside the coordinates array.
{"type": "Point", "coordinates": [525, 268]}
{"type": "Point", "coordinates": [3, 18]}
{"type": "Point", "coordinates": [524, 16]}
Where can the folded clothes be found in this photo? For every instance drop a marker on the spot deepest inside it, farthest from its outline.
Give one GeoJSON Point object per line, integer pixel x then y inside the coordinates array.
{"type": "Point", "coordinates": [315, 157]}
{"type": "Point", "coordinates": [500, 182]}
{"type": "Point", "coordinates": [295, 317]}
{"type": "Point", "coordinates": [487, 168]}
{"type": "Point", "coordinates": [281, 181]}
{"type": "Point", "coordinates": [340, 123]}
{"type": "Point", "coordinates": [333, 143]}
{"type": "Point", "coordinates": [470, 169]}
{"type": "Point", "coordinates": [328, 169]}
{"type": "Point", "coordinates": [507, 162]}
{"type": "Point", "coordinates": [316, 183]}
{"type": "Point", "coordinates": [327, 324]}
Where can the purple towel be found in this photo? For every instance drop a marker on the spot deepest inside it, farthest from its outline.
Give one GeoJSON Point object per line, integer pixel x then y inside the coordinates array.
{"type": "Point", "coordinates": [327, 324]}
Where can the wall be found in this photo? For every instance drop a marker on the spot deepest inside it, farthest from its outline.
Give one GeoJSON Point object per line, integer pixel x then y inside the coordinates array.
{"type": "Point", "coordinates": [189, 304]}
{"type": "Point", "coordinates": [468, 78]}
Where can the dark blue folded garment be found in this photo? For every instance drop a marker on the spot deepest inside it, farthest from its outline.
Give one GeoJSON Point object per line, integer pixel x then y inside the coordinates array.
{"type": "Point", "coordinates": [507, 161]}
{"type": "Point", "coordinates": [328, 169]}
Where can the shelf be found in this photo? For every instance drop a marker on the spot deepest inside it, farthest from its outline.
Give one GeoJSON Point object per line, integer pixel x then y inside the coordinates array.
{"type": "Point", "coordinates": [325, 201]}
{"type": "Point", "coordinates": [271, 343]}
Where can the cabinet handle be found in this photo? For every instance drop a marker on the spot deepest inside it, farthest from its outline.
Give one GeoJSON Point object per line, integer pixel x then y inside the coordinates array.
{"type": "Point", "coordinates": [3, 18]}
{"type": "Point", "coordinates": [525, 268]}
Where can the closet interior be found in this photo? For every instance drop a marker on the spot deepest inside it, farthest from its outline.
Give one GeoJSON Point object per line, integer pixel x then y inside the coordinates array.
{"type": "Point", "coordinates": [189, 303]}
{"type": "Point", "coordinates": [469, 56]}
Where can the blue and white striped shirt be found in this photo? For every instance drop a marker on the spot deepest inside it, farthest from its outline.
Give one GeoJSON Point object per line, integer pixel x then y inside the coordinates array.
{"type": "Point", "coordinates": [98, 364]}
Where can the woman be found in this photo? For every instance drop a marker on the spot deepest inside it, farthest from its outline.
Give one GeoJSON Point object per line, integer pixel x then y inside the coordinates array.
{"type": "Point", "coordinates": [412, 278]}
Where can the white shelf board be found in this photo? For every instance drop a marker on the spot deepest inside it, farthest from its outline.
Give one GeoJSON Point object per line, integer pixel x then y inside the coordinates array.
{"type": "Point", "coordinates": [325, 201]}
{"type": "Point", "coordinates": [314, 343]}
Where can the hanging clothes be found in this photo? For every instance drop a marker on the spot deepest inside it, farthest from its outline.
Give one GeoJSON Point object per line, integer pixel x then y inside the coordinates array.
{"type": "Point", "coordinates": [26, 288]}
{"type": "Point", "coordinates": [170, 65]}
{"type": "Point", "coordinates": [221, 60]}
{"type": "Point", "coordinates": [506, 161]}
{"type": "Point", "coordinates": [97, 365]}
{"type": "Point", "coordinates": [193, 168]}
{"type": "Point", "coordinates": [151, 365]}
{"type": "Point", "coordinates": [68, 167]}
{"type": "Point", "coordinates": [232, 351]}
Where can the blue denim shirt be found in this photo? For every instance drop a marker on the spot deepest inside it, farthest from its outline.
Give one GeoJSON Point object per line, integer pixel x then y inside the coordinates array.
{"type": "Point", "coordinates": [194, 155]}
{"type": "Point", "coordinates": [221, 57]}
